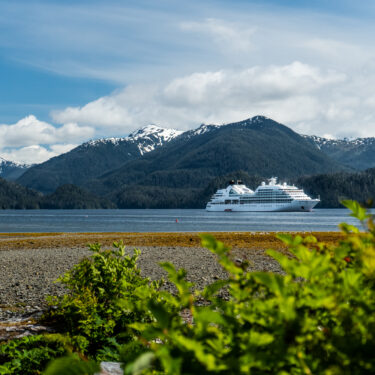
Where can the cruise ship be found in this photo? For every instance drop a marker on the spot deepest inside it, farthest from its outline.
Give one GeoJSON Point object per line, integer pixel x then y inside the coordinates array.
{"type": "Point", "coordinates": [267, 197]}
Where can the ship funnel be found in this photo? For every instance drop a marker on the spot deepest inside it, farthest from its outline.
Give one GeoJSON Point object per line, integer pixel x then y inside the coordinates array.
{"type": "Point", "coordinates": [272, 181]}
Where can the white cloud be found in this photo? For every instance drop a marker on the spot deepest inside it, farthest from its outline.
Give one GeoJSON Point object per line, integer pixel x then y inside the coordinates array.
{"type": "Point", "coordinates": [228, 36]}
{"type": "Point", "coordinates": [33, 141]}
{"type": "Point", "coordinates": [295, 94]}
{"type": "Point", "coordinates": [36, 153]}
{"type": "Point", "coordinates": [203, 62]}
{"type": "Point", "coordinates": [30, 131]}
{"type": "Point", "coordinates": [332, 48]}
{"type": "Point", "coordinates": [103, 112]}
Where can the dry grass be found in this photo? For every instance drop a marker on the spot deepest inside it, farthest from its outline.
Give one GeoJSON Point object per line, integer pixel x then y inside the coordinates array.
{"type": "Point", "coordinates": [242, 240]}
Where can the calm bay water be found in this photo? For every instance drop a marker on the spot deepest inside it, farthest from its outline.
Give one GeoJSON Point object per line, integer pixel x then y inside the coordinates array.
{"type": "Point", "coordinates": [178, 220]}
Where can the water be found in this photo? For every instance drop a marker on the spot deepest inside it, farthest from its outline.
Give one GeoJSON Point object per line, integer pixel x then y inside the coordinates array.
{"type": "Point", "coordinates": [178, 220]}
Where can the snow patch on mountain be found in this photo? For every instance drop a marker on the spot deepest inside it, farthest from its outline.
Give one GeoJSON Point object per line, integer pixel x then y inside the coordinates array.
{"type": "Point", "coordinates": [11, 164]}
{"type": "Point", "coordinates": [12, 170]}
{"type": "Point", "coordinates": [101, 141]}
{"type": "Point", "coordinates": [255, 120]}
{"type": "Point", "coordinates": [156, 132]}
{"type": "Point", "coordinates": [345, 142]}
{"type": "Point", "coordinates": [151, 136]}
{"type": "Point", "coordinates": [147, 138]}
{"type": "Point", "coordinates": [204, 129]}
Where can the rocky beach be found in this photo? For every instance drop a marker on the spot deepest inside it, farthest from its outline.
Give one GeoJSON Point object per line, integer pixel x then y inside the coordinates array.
{"type": "Point", "coordinates": [30, 263]}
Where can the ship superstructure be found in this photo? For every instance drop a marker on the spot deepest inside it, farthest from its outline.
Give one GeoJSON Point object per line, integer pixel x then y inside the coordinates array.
{"type": "Point", "coordinates": [266, 197]}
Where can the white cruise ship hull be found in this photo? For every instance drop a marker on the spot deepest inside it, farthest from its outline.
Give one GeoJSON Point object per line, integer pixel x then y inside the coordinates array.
{"type": "Point", "coordinates": [294, 206]}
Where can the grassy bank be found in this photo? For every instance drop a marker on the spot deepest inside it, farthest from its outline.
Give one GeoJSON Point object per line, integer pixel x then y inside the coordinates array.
{"type": "Point", "coordinates": [242, 240]}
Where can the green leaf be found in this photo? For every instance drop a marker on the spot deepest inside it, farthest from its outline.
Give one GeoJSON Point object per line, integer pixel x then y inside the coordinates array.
{"type": "Point", "coordinates": [71, 365]}
{"type": "Point", "coordinates": [260, 339]}
{"type": "Point", "coordinates": [213, 288]}
{"type": "Point", "coordinates": [215, 246]}
{"type": "Point", "coordinates": [347, 228]}
{"type": "Point", "coordinates": [281, 258]}
{"type": "Point", "coordinates": [207, 316]}
{"type": "Point", "coordinates": [169, 267]}
{"type": "Point", "coordinates": [143, 362]}
{"type": "Point", "coordinates": [160, 313]}
{"type": "Point", "coordinates": [275, 283]}
{"type": "Point", "coordinates": [285, 237]}
{"type": "Point", "coordinates": [207, 359]}
{"type": "Point", "coordinates": [357, 210]}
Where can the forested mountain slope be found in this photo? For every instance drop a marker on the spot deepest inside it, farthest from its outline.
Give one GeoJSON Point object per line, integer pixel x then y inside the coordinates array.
{"type": "Point", "coordinates": [258, 146]}
{"type": "Point", "coordinates": [93, 158]}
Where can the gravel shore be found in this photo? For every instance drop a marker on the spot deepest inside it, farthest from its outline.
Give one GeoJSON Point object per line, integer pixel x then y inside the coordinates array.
{"type": "Point", "coordinates": [27, 276]}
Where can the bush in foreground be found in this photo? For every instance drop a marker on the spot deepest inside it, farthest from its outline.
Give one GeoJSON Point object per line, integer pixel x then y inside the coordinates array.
{"type": "Point", "coordinates": [29, 355]}
{"type": "Point", "coordinates": [90, 314]}
{"type": "Point", "coordinates": [317, 318]}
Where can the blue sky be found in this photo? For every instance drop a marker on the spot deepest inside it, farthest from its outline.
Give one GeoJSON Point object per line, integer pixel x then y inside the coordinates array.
{"type": "Point", "coordinates": [75, 70]}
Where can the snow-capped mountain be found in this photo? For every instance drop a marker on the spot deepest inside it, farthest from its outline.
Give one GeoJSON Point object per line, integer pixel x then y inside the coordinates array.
{"type": "Point", "coordinates": [322, 142]}
{"type": "Point", "coordinates": [147, 138]}
{"type": "Point", "coordinates": [96, 157]}
{"type": "Point", "coordinates": [11, 170]}
{"type": "Point", "coordinates": [152, 136]}
{"type": "Point", "coordinates": [358, 153]}
{"type": "Point", "coordinates": [204, 128]}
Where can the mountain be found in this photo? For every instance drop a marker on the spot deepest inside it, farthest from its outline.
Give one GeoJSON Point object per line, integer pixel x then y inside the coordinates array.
{"type": "Point", "coordinates": [257, 146]}
{"type": "Point", "coordinates": [358, 153]}
{"type": "Point", "coordinates": [93, 158]}
{"type": "Point", "coordinates": [156, 167]}
{"type": "Point", "coordinates": [11, 170]}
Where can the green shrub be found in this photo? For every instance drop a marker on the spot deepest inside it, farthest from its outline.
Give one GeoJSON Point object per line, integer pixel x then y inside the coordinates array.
{"type": "Point", "coordinates": [90, 314]}
{"type": "Point", "coordinates": [30, 355]}
{"type": "Point", "coordinates": [317, 318]}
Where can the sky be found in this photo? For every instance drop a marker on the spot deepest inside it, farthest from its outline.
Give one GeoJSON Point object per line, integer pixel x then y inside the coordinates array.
{"type": "Point", "coordinates": [73, 71]}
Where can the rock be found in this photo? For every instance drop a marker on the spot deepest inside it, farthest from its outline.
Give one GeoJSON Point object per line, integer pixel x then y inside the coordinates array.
{"type": "Point", "coordinates": [110, 368]}
{"type": "Point", "coordinates": [16, 328]}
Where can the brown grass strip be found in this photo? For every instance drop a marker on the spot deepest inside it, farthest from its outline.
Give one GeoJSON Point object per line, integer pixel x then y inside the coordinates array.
{"type": "Point", "coordinates": [243, 240]}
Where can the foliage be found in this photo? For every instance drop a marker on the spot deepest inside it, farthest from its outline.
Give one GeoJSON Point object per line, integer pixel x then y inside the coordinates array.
{"type": "Point", "coordinates": [14, 196]}
{"type": "Point", "coordinates": [333, 188]}
{"type": "Point", "coordinates": [29, 355]}
{"type": "Point", "coordinates": [317, 318]}
{"type": "Point", "coordinates": [90, 313]}
{"type": "Point", "coordinates": [73, 197]}
{"type": "Point", "coordinates": [72, 365]}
